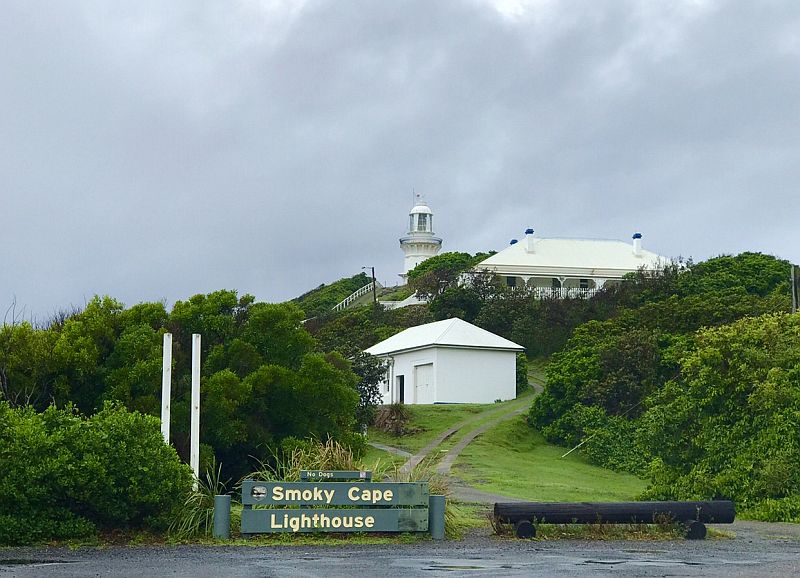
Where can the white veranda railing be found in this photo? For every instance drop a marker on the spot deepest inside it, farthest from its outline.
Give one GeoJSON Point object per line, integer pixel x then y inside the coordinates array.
{"type": "Point", "coordinates": [563, 292]}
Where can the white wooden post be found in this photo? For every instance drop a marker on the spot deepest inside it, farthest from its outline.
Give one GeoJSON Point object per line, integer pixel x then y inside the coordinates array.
{"type": "Point", "coordinates": [194, 438]}
{"type": "Point", "coordinates": [166, 385]}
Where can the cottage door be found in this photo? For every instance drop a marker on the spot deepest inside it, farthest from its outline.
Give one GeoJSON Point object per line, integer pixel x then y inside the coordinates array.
{"type": "Point", "coordinates": [423, 383]}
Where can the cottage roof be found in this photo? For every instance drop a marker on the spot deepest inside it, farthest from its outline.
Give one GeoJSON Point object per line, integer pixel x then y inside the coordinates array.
{"type": "Point", "coordinates": [588, 256]}
{"type": "Point", "coordinates": [449, 333]}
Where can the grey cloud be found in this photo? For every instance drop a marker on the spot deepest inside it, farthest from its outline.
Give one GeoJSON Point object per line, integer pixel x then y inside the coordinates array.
{"type": "Point", "coordinates": [155, 151]}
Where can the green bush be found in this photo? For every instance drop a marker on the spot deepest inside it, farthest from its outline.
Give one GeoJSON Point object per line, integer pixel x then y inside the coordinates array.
{"type": "Point", "coordinates": [66, 476]}
{"type": "Point", "coordinates": [522, 373]}
{"type": "Point", "coordinates": [780, 510]}
{"type": "Point", "coordinates": [729, 426]}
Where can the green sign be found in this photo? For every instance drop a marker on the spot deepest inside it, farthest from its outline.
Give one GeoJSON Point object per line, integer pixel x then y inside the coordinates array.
{"type": "Point", "coordinates": [334, 475]}
{"type": "Point", "coordinates": [341, 520]}
{"type": "Point", "coordinates": [334, 494]}
{"type": "Point", "coordinates": [369, 506]}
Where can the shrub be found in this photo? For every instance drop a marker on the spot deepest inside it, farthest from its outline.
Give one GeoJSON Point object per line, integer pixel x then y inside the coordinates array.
{"type": "Point", "coordinates": [608, 441]}
{"type": "Point", "coordinates": [780, 510]}
{"type": "Point", "coordinates": [522, 373]}
{"type": "Point", "coordinates": [729, 427]}
{"type": "Point", "coordinates": [393, 419]}
{"type": "Point", "coordinates": [66, 476]}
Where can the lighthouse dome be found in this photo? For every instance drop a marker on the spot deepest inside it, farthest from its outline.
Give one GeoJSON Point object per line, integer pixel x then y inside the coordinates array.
{"type": "Point", "coordinates": [421, 209]}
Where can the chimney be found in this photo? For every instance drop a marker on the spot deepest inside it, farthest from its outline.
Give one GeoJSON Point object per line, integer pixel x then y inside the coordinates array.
{"type": "Point", "coordinates": [637, 244]}
{"type": "Point", "coordinates": [529, 241]}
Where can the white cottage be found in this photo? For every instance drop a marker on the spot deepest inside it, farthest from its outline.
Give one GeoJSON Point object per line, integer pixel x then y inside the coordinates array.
{"type": "Point", "coordinates": [569, 267]}
{"type": "Point", "coordinates": [449, 361]}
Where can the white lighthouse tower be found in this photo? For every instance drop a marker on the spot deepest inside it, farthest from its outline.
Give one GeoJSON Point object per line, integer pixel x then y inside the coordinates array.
{"type": "Point", "coordinates": [419, 243]}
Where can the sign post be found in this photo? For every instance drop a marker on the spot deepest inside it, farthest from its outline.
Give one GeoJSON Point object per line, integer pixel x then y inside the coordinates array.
{"type": "Point", "coordinates": [166, 385]}
{"type": "Point", "coordinates": [194, 433]}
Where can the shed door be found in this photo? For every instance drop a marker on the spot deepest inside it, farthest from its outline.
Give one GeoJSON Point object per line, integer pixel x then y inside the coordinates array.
{"type": "Point", "coordinates": [423, 383]}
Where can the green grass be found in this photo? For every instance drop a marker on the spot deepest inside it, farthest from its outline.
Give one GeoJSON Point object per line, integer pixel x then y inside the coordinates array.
{"type": "Point", "coordinates": [395, 295]}
{"type": "Point", "coordinates": [513, 460]}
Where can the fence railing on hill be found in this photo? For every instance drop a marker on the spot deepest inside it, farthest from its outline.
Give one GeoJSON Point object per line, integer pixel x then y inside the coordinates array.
{"type": "Point", "coordinates": [344, 303]}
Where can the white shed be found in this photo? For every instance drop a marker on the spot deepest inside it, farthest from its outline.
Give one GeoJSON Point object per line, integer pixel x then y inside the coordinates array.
{"type": "Point", "coordinates": [449, 361]}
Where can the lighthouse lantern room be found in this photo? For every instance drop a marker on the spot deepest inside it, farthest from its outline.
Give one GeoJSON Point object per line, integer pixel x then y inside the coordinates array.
{"type": "Point", "coordinates": [419, 242]}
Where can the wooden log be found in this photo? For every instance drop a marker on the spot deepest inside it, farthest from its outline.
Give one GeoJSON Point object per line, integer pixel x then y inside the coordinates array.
{"type": "Point", "coordinates": [717, 512]}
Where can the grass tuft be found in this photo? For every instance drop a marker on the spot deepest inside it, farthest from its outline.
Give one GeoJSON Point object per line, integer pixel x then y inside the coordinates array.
{"type": "Point", "coordinates": [310, 454]}
{"type": "Point", "coordinates": [196, 516]}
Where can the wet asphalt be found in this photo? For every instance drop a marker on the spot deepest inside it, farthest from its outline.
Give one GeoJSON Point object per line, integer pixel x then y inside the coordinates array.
{"type": "Point", "coordinates": [756, 550]}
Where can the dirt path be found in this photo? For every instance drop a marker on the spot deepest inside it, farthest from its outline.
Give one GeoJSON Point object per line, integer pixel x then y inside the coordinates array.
{"type": "Point", "coordinates": [447, 462]}
{"type": "Point", "coordinates": [467, 494]}
{"type": "Point", "coordinates": [390, 449]}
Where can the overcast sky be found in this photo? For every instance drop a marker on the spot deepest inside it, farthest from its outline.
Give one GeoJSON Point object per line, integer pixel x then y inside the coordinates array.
{"type": "Point", "coordinates": [152, 150]}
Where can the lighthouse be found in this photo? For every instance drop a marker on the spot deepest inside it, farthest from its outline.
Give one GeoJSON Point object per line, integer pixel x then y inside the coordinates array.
{"type": "Point", "coordinates": [419, 243]}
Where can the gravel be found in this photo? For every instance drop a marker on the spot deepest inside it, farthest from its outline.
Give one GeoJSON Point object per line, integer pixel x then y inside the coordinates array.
{"type": "Point", "coordinates": [757, 549]}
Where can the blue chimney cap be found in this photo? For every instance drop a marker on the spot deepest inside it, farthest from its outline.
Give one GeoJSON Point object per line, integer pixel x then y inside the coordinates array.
{"type": "Point", "coordinates": [513, 241]}
{"type": "Point", "coordinates": [529, 231]}
{"type": "Point", "coordinates": [637, 235]}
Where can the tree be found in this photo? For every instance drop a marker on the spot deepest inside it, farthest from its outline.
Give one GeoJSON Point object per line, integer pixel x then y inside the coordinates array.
{"type": "Point", "coordinates": [277, 333]}
{"type": "Point", "coordinates": [458, 301]}
{"type": "Point", "coordinates": [431, 277]}
{"type": "Point", "coordinates": [27, 371]}
{"type": "Point", "coordinates": [372, 373]}
{"type": "Point", "coordinates": [755, 273]}
{"type": "Point", "coordinates": [224, 420]}
{"type": "Point", "coordinates": [132, 372]}
{"type": "Point", "coordinates": [83, 345]}
{"type": "Point", "coordinates": [318, 400]}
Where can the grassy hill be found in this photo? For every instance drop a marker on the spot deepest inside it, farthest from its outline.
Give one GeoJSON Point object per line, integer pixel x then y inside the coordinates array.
{"type": "Point", "coordinates": [325, 297]}
{"type": "Point", "coordinates": [509, 459]}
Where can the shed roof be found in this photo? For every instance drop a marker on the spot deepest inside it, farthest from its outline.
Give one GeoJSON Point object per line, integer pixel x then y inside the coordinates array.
{"type": "Point", "coordinates": [449, 333]}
